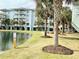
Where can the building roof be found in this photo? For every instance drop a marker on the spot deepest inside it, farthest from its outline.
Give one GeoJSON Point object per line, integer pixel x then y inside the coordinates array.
{"type": "Point", "coordinates": [15, 9]}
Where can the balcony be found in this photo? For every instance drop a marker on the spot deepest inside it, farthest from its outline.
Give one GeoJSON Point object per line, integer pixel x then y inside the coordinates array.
{"type": "Point", "coordinates": [20, 12]}
{"type": "Point", "coordinates": [19, 16]}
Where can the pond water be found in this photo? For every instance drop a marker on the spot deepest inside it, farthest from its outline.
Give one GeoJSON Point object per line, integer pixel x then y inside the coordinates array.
{"type": "Point", "coordinates": [6, 39]}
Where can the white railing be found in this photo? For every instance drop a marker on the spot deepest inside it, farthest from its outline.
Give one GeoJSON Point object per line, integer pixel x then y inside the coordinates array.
{"type": "Point", "coordinates": [75, 26]}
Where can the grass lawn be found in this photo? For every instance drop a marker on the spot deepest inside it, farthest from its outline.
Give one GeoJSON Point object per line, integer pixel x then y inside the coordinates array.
{"type": "Point", "coordinates": [32, 48]}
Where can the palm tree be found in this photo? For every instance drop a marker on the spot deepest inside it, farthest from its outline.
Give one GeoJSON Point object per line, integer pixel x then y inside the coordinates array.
{"type": "Point", "coordinates": [41, 12]}
{"type": "Point", "coordinates": [66, 17]}
{"type": "Point", "coordinates": [47, 5]}
{"type": "Point", "coordinates": [44, 11]}
{"type": "Point", "coordinates": [6, 22]}
{"type": "Point", "coordinates": [14, 22]}
{"type": "Point", "coordinates": [21, 22]}
{"type": "Point", "coordinates": [57, 16]}
{"type": "Point", "coordinates": [69, 20]}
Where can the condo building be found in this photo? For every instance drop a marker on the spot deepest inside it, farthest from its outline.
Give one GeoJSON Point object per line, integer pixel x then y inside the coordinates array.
{"type": "Point", "coordinates": [19, 16]}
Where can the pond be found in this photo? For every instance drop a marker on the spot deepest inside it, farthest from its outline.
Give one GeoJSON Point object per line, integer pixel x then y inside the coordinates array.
{"type": "Point", "coordinates": [6, 39]}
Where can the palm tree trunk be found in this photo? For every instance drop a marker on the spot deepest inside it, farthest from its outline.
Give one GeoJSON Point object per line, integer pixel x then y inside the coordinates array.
{"type": "Point", "coordinates": [55, 33]}
{"type": "Point", "coordinates": [38, 28]}
{"type": "Point", "coordinates": [46, 27]}
{"type": "Point", "coordinates": [62, 27]}
{"type": "Point", "coordinates": [57, 17]}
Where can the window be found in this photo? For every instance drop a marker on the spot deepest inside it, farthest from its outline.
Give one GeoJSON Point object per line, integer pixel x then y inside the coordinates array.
{"type": "Point", "coordinates": [27, 23]}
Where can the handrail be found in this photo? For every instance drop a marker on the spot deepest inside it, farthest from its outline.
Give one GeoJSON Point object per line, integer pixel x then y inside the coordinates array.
{"type": "Point", "coordinates": [75, 26]}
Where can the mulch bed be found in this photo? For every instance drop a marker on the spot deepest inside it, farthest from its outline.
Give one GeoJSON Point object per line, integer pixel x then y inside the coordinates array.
{"type": "Point", "coordinates": [57, 50]}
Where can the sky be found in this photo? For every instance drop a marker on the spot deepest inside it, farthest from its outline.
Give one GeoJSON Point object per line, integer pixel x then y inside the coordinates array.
{"type": "Point", "coordinates": [8, 4]}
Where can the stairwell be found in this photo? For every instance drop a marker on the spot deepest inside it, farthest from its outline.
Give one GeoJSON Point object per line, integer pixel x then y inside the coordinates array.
{"type": "Point", "coordinates": [75, 27]}
{"type": "Point", "coordinates": [75, 17]}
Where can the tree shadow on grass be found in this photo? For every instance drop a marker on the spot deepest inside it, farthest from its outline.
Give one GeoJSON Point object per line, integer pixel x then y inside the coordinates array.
{"type": "Point", "coordinates": [76, 50]}
{"type": "Point", "coordinates": [70, 38]}
{"type": "Point", "coordinates": [21, 47]}
{"type": "Point", "coordinates": [46, 36]}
